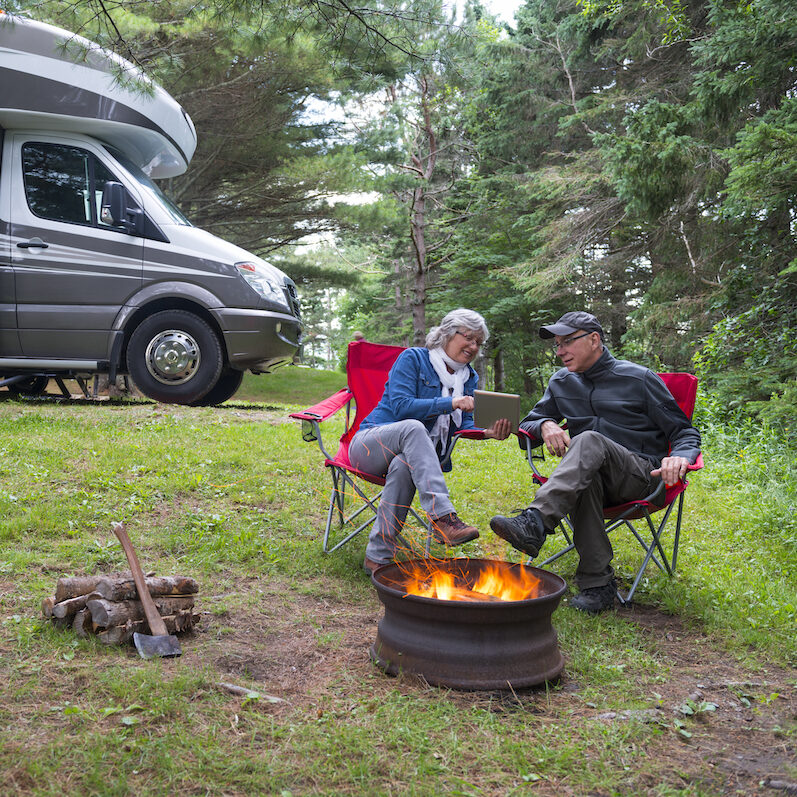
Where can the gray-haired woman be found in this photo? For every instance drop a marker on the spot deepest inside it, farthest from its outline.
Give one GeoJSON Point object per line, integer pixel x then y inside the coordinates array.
{"type": "Point", "coordinates": [406, 438]}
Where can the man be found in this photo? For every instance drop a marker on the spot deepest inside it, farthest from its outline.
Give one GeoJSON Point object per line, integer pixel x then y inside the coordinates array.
{"type": "Point", "coordinates": [621, 419]}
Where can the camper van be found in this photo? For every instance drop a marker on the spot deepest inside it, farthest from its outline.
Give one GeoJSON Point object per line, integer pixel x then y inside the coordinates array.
{"type": "Point", "coordinates": [100, 273]}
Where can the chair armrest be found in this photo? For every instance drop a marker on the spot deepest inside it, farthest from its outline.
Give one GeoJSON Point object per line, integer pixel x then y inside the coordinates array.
{"type": "Point", "coordinates": [698, 463]}
{"type": "Point", "coordinates": [326, 408]}
{"type": "Point", "coordinates": [527, 440]}
{"type": "Point", "coordinates": [471, 434]}
{"type": "Point", "coordinates": [312, 417]}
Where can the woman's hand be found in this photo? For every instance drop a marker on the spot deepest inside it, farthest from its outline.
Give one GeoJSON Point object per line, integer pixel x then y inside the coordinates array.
{"type": "Point", "coordinates": [463, 403]}
{"type": "Point", "coordinates": [500, 430]}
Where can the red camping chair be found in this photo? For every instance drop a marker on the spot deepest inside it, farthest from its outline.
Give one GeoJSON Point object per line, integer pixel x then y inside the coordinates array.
{"type": "Point", "coordinates": [367, 368]}
{"type": "Point", "coordinates": [684, 389]}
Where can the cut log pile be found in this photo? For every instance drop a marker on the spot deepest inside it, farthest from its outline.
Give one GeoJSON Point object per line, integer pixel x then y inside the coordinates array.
{"type": "Point", "coordinates": [108, 606]}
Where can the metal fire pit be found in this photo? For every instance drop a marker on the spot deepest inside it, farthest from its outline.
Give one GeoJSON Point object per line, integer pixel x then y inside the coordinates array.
{"type": "Point", "coordinates": [468, 644]}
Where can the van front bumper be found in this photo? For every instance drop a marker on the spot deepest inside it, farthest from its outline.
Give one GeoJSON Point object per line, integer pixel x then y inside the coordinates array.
{"type": "Point", "coordinates": [258, 340]}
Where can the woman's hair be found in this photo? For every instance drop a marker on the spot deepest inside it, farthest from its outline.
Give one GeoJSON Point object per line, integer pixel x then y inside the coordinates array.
{"type": "Point", "coordinates": [461, 318]}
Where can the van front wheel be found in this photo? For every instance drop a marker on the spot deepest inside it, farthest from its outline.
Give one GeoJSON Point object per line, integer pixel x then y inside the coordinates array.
{"type": "Point", "coordinates": [174, 357]}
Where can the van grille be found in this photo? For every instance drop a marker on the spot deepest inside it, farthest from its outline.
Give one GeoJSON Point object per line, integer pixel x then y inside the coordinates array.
{"type": "Point", "coordinates": [293, 298]}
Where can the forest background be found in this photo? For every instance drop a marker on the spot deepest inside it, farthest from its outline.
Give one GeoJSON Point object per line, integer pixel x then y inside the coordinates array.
{"type": "Point", "coordinates": [398, 158]}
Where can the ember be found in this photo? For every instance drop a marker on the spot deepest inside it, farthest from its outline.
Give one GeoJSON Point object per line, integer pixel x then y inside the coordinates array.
{"type": "Point", "coordinates": [498, 581]}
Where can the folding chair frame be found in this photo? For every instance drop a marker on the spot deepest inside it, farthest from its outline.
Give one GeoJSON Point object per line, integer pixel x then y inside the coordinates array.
{"type": "Point", "coordinates": [642, 508]}
{"type": "Point", "coordinates": [341, 470]}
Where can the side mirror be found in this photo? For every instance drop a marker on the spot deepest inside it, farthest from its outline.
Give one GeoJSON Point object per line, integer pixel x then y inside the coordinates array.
{"type": "Point", "coordinates": [114, 204]}
{"type": "Point", "coordinates": [115, 211]}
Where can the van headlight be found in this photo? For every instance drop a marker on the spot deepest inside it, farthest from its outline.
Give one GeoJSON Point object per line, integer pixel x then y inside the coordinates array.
{"type": "Point", "coordinates": [262, 283]}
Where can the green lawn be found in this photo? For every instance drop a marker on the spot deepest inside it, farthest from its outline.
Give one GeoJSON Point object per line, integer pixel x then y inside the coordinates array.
{"type": "Point", "coordinates": [664, 698]}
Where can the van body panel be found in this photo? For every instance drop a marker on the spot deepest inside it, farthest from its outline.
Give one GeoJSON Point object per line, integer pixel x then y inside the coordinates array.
{"type": "Point", "coordinates": [57, 80]}
{"type": "Point", "coordinates": [48, 364]}
{"type": "Point", "coordinates": [80, 266]}
{"type": "Point", "coordinates": [244, 331]}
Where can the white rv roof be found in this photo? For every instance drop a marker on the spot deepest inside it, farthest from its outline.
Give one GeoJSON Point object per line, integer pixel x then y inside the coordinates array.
{"type": "Point", "coordinates": [52, 79]}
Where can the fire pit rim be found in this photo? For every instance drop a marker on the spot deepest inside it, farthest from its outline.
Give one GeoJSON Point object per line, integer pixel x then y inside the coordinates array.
{"type": "Point", "coordinates": [483, 606]}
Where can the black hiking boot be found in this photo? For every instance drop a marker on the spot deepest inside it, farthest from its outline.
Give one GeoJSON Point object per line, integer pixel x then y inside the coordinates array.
{"type": "Point", "coordinates": [525, 532]}
{"type": "Point", "coordinates": [594, 600]}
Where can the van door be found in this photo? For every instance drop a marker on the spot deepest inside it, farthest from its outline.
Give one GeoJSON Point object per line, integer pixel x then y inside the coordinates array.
{"type": "Point", "coordinates": [9, 339]}
{"type": "Point", "coordinates": [72, 270]}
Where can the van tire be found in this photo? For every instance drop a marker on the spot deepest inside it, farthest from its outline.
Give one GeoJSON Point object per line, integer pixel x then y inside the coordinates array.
{"type": "Point", "coordinates": [174, 357]}
{"type": "Point", "coordinates": [226, 387]}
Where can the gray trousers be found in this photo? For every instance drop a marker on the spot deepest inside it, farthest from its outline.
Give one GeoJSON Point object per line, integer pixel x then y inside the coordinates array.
{"type": "Point", "coordinates": [594, 472]}
{"type": "Point", "coordinates": [402, 453]}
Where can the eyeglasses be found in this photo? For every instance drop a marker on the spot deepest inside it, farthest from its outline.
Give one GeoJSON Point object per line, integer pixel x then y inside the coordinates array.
{"type": "Point", "coordinates": [471, 338]}
{"type": "Point", "coordinates": [563, 344]}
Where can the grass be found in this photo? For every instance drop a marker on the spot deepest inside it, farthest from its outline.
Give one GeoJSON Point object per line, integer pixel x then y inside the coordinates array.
{"type": "Point", "coordinates": [233, 497]}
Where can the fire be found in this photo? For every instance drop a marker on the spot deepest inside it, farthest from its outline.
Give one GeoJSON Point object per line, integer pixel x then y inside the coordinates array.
{"type": "Point", "coordinates": [498, 581]}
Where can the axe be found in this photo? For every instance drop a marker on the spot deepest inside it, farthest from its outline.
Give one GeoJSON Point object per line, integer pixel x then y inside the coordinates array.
{"type": "Point", "coordinates": [161, 643]}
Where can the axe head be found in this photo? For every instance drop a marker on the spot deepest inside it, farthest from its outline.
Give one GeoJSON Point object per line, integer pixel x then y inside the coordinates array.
{"type": "Point", "coordinates": [150, 647]}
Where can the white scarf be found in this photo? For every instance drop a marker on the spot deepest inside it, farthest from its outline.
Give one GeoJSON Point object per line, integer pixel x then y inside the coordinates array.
{"type": "Point", "coordinates": [453, 387]}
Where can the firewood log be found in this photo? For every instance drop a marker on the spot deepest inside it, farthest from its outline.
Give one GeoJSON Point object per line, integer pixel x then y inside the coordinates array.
{"type": "Point", "coordinates": [47, 607]}
{"type": "Point", "coordinates": [125, 589]}
{"type": "Point", "coordinates": [110, 613]}
{"type": "Point", "coordinates": [74, 586]}
{"type": "Point", "coordinates": [82, 625]}
{"type": "Point", "coordinates": [120, 634]}
{"type": "Point", "coordinates": [69, 607]}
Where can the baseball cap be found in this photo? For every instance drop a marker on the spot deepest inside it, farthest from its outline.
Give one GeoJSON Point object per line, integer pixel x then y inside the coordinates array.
{"type": "Point", "coordinates": [572, 322]}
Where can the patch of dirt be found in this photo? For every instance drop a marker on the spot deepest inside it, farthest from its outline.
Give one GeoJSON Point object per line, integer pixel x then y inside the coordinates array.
{"type": "Point", "coordinates": [745, 745]}
{"type": "Point", "coordinates": [304, 644]}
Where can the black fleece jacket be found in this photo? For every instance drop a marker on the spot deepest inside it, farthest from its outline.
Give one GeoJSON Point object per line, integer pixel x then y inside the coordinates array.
{"type": "Point", "coordinates": [626, 402]}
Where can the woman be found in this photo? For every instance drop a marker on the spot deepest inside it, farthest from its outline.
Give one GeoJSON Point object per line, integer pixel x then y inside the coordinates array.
{"type": "Point", "coordinates": [407, 436]}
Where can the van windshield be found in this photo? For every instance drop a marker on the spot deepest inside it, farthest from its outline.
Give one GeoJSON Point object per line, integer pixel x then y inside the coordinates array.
{"type": "Point", "coordinates": [145, 182]}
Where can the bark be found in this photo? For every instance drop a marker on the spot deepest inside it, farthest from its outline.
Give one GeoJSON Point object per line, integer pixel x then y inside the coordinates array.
{"type": "Point", "coordinates": [47, 607]}
{"type": "Point", "coordinates": [82, 625]}
{"type": "Point", "coordinates": [69, 607]}
{"type": "Point", "coordinates": [498, 370]}
{"type": "Point", "coordinates": [120, 634]}
{"type": "Point", "coordinates": [71, 587]}
{"type": "Point", "coordinates": [109, 613]}
{"type": "Point", "coordinates": [125, 589]}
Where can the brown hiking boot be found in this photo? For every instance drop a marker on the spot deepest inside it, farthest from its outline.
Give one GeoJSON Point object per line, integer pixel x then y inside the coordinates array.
{"type": "Point", "coordinates": [450, 530]}
{"type": "Point", "coordinates": [369, 565]}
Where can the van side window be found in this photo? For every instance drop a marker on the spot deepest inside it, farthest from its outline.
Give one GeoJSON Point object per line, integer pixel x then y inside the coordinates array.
{"type": "Point", "coordinates": [63, 183]}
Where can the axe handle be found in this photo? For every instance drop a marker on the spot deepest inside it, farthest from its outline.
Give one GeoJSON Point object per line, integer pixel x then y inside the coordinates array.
{"type": "Point", "coordinates": [155, 621]}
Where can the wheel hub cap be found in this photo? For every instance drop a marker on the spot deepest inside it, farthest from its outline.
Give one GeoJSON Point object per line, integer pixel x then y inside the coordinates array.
{"type": "Point", "coordinates": [173, 357]}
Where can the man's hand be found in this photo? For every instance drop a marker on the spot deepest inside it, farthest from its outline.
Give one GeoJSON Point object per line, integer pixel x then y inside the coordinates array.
{"type": "Point", "coordinates": [556, 439]}
{"type": "Point", "coordinates": [463, 403]}
{"type": "Point", "coordinates": [672, 470]}
{"type": "Point", "coordinates": [500, 430]}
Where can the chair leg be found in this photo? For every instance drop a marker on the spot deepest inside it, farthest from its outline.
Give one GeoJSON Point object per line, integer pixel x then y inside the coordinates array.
{"type": "Point", "coordinates": [677, 537]}
{"type": "Point", "coordinates": [339, 481]}
{"type": "Point", "coordinates": [566, 528]}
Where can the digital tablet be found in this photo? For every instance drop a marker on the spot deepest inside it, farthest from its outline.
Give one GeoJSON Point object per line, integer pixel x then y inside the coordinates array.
{"type": "Point", "coordinates": [490, 407]}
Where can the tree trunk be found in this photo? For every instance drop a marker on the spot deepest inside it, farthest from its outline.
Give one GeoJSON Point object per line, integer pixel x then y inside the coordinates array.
{"type": "Point", "coordinates": [498, 370]}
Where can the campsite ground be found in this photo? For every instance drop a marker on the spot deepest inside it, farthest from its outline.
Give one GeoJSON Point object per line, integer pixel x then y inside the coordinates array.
{"type": "Point", "coordinates": [692, 691]}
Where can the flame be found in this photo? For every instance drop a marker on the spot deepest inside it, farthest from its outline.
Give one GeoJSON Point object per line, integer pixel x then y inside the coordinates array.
{"type": "Point", "coordinates": [498, 581]}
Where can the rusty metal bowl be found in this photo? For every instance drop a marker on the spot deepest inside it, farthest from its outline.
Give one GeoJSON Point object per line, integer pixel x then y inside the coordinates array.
{"type": "Point", "coordinates": [468, 644]}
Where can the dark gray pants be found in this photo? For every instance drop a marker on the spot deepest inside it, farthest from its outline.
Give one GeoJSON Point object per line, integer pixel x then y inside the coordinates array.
{"type": "Point", "coordinates": [595, 472]}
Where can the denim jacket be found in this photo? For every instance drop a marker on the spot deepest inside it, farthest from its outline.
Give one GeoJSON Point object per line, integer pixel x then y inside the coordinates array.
{"type": "Point", "coordinates": [413, 390]}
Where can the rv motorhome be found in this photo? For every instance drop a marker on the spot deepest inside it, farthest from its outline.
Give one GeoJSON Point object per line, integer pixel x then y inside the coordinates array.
{"type": "Point", "coordinates": [100, 273]}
